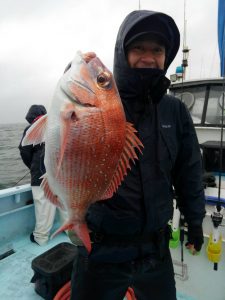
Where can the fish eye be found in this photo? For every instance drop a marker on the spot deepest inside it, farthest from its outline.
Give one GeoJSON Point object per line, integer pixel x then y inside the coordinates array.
{"type": "Point", "coordinates": [103, 80]}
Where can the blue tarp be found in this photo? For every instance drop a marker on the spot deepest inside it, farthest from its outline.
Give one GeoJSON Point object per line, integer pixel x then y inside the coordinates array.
{"type": "Point", "coordinates": [221, 35]}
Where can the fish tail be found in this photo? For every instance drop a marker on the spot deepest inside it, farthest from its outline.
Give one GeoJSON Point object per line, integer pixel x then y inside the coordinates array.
{"type": "Point", "coordinates": [81, 231]}
{"type": "Point", "coordinates": [67, 226]}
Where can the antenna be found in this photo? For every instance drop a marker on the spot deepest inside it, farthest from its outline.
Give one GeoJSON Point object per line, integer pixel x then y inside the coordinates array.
{"type": "Point", "coordinates": [185, 23]}
{"type": "Point", "coordinates": [185, 47]}
{"type": "Point", "coordinates": [181, 70]}
{"type": "Point", "coordinates": [139, 4]}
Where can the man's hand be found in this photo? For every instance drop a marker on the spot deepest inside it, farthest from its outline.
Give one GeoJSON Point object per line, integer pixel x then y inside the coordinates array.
{"type": "Point", "coordinates": [88, 56]}
{"type": "Point", "coordinates": [195, 239]}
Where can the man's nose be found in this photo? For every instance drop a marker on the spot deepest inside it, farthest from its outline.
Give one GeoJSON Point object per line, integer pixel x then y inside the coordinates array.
{"type": "Point", "coordinates": [148, 57]}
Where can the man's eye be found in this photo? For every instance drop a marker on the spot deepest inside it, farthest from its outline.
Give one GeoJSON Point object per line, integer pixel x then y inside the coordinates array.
{"type": "Point", "coordinates": [138, 47]}
{"type": "Point", "coordinates": [158, 50]}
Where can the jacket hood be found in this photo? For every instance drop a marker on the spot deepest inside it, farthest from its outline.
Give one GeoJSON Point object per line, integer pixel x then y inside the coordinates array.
{"type": "Point", "coordinates": [147, 21]}
{"type": "Point", "coordinates": [133, 83]}
{"type": "Point", "coordinates": [34, 112]}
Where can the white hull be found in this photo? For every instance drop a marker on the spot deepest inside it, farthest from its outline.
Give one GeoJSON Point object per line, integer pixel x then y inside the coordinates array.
{"type": "Point", "coordinates": [209, 134]}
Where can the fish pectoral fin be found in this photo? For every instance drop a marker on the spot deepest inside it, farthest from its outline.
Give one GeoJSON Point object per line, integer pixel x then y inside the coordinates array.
{"type": "Point", "coordinates": [36, 133]}
{"type": "Point", "coordinates": [80, 229]}
{"type": "Point", "coordinates": [131, 142]}
{"type": "Point", "coordinates": [68, 116]}
{"type": "Point", "coordinates": [49, 194]}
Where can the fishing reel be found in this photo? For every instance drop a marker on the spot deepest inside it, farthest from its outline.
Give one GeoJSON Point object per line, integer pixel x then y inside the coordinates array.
{"type": "Point", "coordinates": [175, 227]}
{"type": "Point", "coordinates": [214, 247]}
{"type": "Point", "coordinates": [217, 217]}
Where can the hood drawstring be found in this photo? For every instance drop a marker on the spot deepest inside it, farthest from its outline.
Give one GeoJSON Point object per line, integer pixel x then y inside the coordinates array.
{"type": "Point", "coordinates": [153, 109]}
{"type": "Point", "coordinates": [158, 139]}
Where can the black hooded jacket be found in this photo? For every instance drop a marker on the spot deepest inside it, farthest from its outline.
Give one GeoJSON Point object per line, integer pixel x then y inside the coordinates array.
{"type": "Point", "coordinates": [33, 157]}
{"type": "Point", "coordinates": [171, 156]}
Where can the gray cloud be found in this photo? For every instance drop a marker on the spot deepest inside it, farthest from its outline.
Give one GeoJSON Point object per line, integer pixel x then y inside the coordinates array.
{"type": "Point", "coordinates": [39, 38]}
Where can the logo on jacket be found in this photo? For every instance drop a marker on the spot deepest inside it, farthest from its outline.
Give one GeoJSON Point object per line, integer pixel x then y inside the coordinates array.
{"type": "Point", "coordinates": [166, 126]}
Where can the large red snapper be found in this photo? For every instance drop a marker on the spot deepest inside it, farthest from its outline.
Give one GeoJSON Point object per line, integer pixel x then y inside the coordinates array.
{"type": "Point", "coordinates": [88, 143]}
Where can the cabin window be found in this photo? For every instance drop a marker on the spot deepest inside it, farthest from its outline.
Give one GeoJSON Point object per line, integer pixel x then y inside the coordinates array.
{"type": "Point", "coordinates": [194, 99]}
{"type": "Point", "coordinates": [214, 108]}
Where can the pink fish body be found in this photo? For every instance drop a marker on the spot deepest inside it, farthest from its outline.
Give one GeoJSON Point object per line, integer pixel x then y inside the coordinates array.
{"type": "Point", "coordinates": [88, 143]}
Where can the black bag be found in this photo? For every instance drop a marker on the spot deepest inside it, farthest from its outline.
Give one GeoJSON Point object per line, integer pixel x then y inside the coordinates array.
{"type": "Point", "coordinates": [52, 269]}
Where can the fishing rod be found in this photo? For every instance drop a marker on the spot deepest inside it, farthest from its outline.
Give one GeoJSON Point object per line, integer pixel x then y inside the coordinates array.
{"type": "Point", "coordinates": [214, 247]}
{"type": "Point", "coordinates": [178, 222]}
{"type": "Point", "coordinates": [21, 179]}
{"type": "Point", "coordinates": [218, 206]}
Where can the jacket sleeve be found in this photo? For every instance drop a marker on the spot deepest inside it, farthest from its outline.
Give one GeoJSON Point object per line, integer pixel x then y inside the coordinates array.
{"type": "Point", "coordinates": [26, 152]}
{"type": "Point", "coordinates": [188, 172]}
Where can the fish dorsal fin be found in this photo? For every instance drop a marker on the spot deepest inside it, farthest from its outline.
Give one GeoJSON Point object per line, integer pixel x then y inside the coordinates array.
{"type": "Point", "coordinates": [48, 192]}
{"type": "Point", "coordinates": [131, 142]}
{"type": "Point", "coordinates": [35, 134]}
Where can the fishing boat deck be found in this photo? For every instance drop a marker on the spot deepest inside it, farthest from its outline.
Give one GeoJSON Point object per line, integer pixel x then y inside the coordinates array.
{"type": "Point", "coordinates": [16, 272]}
{"type": "Point", "coordinates": [195, 281]}
{"type": "Point", "coordinates": [200, 281]}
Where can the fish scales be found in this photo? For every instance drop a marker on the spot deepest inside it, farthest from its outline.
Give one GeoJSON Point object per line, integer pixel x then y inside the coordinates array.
{"type": "Point", "coordinates": [88, 143]}
{"type": "Point", "coordinates": [78, 156]}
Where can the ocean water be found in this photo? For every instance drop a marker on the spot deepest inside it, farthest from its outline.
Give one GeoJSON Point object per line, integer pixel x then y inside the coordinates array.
{"type": "Point", "coordinates": [12, 168]}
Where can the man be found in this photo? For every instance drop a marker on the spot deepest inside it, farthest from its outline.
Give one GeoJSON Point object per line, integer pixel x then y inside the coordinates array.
{"type": "Point", "coordinates": [33, 158]}
{"type": "Point", "coordinates": [129, 231]}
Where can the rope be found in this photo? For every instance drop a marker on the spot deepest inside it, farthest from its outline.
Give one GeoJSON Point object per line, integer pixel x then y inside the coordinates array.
{"type": "Point", "coordinates": [64, 292]}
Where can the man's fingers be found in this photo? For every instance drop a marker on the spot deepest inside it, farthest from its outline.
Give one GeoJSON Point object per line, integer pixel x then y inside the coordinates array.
{"type": "Point", "coordinates": [88, 56]}
{"type": "Point", "coordinates": [191, 248]}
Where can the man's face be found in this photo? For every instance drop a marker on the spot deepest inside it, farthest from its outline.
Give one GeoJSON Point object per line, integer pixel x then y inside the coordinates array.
{"type": "Point", "coordinates": [146, 54]}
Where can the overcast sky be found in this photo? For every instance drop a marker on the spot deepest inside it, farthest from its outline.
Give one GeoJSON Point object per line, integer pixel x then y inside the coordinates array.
{"type": "Point", "coordinates": [39, 38]}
